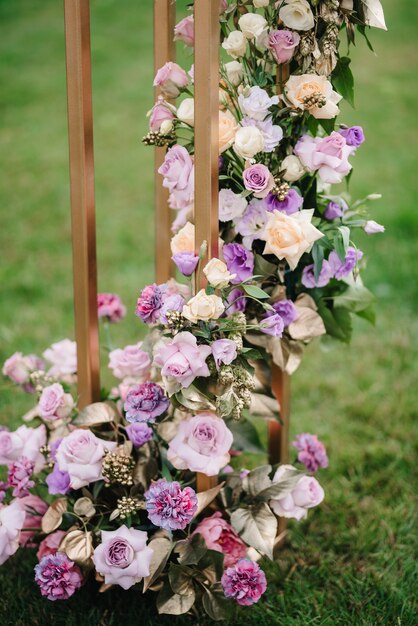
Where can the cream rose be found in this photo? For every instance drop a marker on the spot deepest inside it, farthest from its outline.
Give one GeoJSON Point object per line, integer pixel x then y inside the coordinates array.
{"type": "Point", "coordinates": [227, 130]}
{"type": "Point", "coordinates": [297, 14]}
{"type": "Point", "coordinates": [185, 112]}
{"type": "Point", "coordinates": [289, 236]}
{"type": "Point", "coordinates": [203, 307]}
{"type": "Point", "coordinates": [235, 44]}
{"type": "Point", "coordinates": [248, 141]}
{"type": "Point", "coordinates": [183, 241]}
{"type": "Point", "coordinates": [252, 25]}
{"type": "Point", "coordinates": [323, 100]}
{"type": "Point", "coordinates": [217, 273]}
{"type": "Point", "coordinates": [292, 168]}
{"type": "Point", "coordinates": [260, 4]}
{"type": "Point", "coordinates": [235, 72]}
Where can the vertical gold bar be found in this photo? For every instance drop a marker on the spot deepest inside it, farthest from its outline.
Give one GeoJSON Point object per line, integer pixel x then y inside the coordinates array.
{"type": "Point", "coordinates": [80, 137]}
{"type": "Point", "coordinates": [164, 51]}
{"type": "Point", "coordinates": [206, 88]}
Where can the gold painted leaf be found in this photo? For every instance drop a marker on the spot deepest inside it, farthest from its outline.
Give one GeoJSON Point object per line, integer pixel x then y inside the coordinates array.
{"type": "Point", "coordinates": [373, 13]}
{"type": "Point", "coordinates": [172, 603]}
{"type": "Point", "coordinates": [161, 547]}
{"type": "Point", "coordinates": [204, 498]}
{"type": "Point", "coordinates": [194, 400]}
{"type": "Point", "coordinates": [146, 468]}
{"type": "Point", "coordinates": [257, 480]}
{"type": "Point", "coordinates": [257, 526]}
{"type": "Point", "coordinates": [96, 414]}
{"type": "Point", "coordinates": [281, 488]}
{"type": "Point", "coordinates": [215, 603]}
{"type": "Point", "coordinates": [78, 546]}
{"type": "Point", "coordinates": [307, 325]}
{"type": "Point", "coordinates": [181, 579]}
{"type": "Point", "coordinates": [53, 517]}
{"type": "Point", "coordinates": [263, 405]}
{"type": "Point", "coordinates": [84, 507]}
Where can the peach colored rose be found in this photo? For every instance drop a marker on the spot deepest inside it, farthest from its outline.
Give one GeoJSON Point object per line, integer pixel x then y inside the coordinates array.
{"type": "Point", "coordinates": [299, 89]}
{"type": "Point", "coordinates": [227, 130]}
{"type": "Point", "coordinates": [183, 241]}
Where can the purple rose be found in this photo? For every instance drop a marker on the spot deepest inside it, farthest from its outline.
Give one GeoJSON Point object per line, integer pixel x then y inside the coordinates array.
{"type": "Point", "coordinates": [182, 360]}
{"type": "Point", "coordinates": [186, 262]}
{"type": "Point", "coordinates": [282, 44]}
{"type": "Point", "coordinates": [178, 173]}
{"type": "Point", "coordinates": [130, 361]}
{"type": "Point", "coordinates": [335, 210]}
{"type": "Point", "coordinates": [287, 311]}
{"type": "Point", "coordinates": [245, 582]}
{"type": "Point", "coordinates": [139, 433]}
{"type": "Point", "coordinates": [354, 136]}
{"type": "Point", "coordinates": [169, 506]}
{"type": "Point", "coordinates": [258, 179]}
{"type": "Point", "coordinates": [149, 303]}
{"type": "Point", "coordinates": [172, 303]}
{"type": "Point", "coordinates": [236, 301]}
{"type": "Point", "coordinates": [145, 402]}
{"type": "Point", "coordinates": [252, 222]}
{"type": "Point", "coordinates": [239, 261]}
{"type": "Point", "coordinates": [58, 578]}
{"type": "Point", "coordinates": [272, 133]}
{"type": "Point", "coordinates": [325, 275]}
{"type": "Point", "coordinates": [224, 351]}
{"type": "Point", "coordinates": [58, 481]}
{"type": "Point", "coordinates": [291, 204]}
{"type": "Point", "coordinates": [339, 268]}
{"type": "Point", "coordinates": [272, 324]}
{"type": "Point", "coordinates": [312, 453]}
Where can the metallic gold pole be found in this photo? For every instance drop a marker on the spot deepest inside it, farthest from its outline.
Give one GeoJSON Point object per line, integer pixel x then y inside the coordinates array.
{"type": "Point", "coordinates": [206, 83]}
{"type": "Point", "coordinates": [80, 136]}
{"type": "Point", "coordinates": [164, 51]}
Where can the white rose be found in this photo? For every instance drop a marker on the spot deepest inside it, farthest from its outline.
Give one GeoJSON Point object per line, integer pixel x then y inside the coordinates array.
{"type": "Point", "coordinates": [292, 168]}
{"type": "Point", "coordinates": [203, 307]}
{"type": "Point", "coordinates": [234, 71]}
{"type": "Point", "coordinates": [297, 14]}
{"type": "Point", "coordinates": [252, 25]}
{"type": "Point", "coordinates": [217, 273]}
{"type": "Point", "coordinates": [260, 4]}
{"type": "Point", "coordinates": [248, 141]}
{"type": "Point", "coordinates": [183, 241]}
{"type": "Point", "coordinates": [185, 112]}
{"type": "Point", "coordinates": [235, 44]}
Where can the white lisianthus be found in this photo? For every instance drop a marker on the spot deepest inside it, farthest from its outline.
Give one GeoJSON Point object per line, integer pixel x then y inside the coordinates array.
{"type": "Point", "coordinates": [292, 168]}
{"type": "Point", "coordinates": [231, 205]}
{"type": "Point", "coordinates": [234, 71]}
{"type": "Point", "coordinates": [260, 4]}
{"type": "Point", "coordinates": [217, 274]}
{"type": "Point", "coordinates": [249, 140]}
{"type": "Point", "coordinates": [235, 44]}
{"type": "Point", "coordinates": [203, 307]}
{"type": "Point", "coordinates": [252, 25]}
{"type": "Point", "coordinates": [185, 112]}
{"type": "Point", "coordinates": [297, 14]}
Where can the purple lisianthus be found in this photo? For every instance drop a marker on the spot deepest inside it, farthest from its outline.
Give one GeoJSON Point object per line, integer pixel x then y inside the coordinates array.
{"type": "Point", "coordinates": [169, 506]}
{"type": "Point", "coordinates": [312, 453]}
{"type": "Point", "coordinates": [186, 262]}
{"type": "Point", "coordinates": [354, 136]}
{"type": "Point", "coordinates": [19, 477]}
{"type": "Point", "coordinates": [236, 301]}
{"type": "Point", "coordinates": [239, 261]}
{"type": "Point", "coordinates": [371, 227]}
{"type": "Point", "coordinates": [256, 103]}
{"type": "Point", "coordinates": [172, 303]}
{"type": "Point", "coordinates": [291, 204]}
{"type": "Point", "coordinates": [272, 324]}
{"type": "Point", "coordinates": [287, 311]}
{"type": "Point", "coordinates": [58, 578]}
{"type": "Point", "coordinates": [139, 433]}
{"type": "Point", "coordinates": [325, 275]}
{"type": "Point", "coordinates": [272, 133]}
{"type": "Point", "coordinates": [335, 209]}
{"type": "Point", "coordinates": [339, 268]}
{"type": "Point", "coordinates": [245, 582]}
{"type": "Point", "coordinates": [252, 222]}
{"type": "Point", "coordinates": [224, 351]}
{"type": "Point", "coordinates": [149, 303]}
{"type": "Point", "coordinates": [145, 402]}
{"type": "Point", "coordinates": [58, 481]}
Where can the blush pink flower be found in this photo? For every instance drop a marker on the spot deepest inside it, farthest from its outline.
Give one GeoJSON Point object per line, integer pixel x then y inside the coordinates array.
{"type": "Point", "coordinates": [327, 156]}
{"type": "Point", "coordinates": [160, 113]}
{"type": "Point", "coordinates": [220, 536]}
{"type": "Point", "coordinates": [184, 31]}
{"type": "Point", "coordinates": [169, 506]}
{"type": "Point", "coordinates": [110, 307]}
{"type": "Point", "coordinates": [182, 360]}
{"type": "Point", "coordinates": [25, 442]}
{"type": "Point", "coordinates": [178, 174]}
{"type": "Point", "coordinates": [312, 453]}
{"type": "Point", "coordinates": [63, 357]}
{"type": "Point", "coordinates": [57, 577]}
{"type": "Point", "coordinates": [171, 79]}
{"type": "Point", "coordinates": [19, 367]}
{"type": "Point", "coordinates": [201, 444]}
{"type": "Point", "coordinates": [54, 403]}
{"type": "Point", "coordinates": [12, 518]}
{"type": "Point", "coordinates": [50, 544]}
{"type": "Point", "coordinates": [34, 508]}
{"type": "Point", "coordinates": [306, 494]}
{"type": "Point", "coordinates": [282, 44]}
{"type": "Point", "coordinates": [123, 557]}
{"type": "Point", "coordinates": [130, 361]}
{"type": "Point", "coordinates": [245, 582]}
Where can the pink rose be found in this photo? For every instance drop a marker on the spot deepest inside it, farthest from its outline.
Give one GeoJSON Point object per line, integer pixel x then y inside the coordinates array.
{"type": "Point", "coordinates": [184, 31]}
{"type": "Point", "coordinates": [159, 114]}
{"type": "Point", "coordinates": [178, 173]}
{"type": "Point", "coordinates": [306, 494]}
{"type": "Point", "coordinates": [50, 544]}
{"type": "Point", "coordinates": [202, 444]}
{"type": "Point", "coordinates": [63, 356]}
{"type": "Point", "coordinates": [18, 367]}
{"type": "Point", "coordinates": [328, 156]}
{"type": "Point", "coordinates": [35, 509]}
{"type": "Point", "coordinates": [23, 442]}
{"type": "Point", "coordinates": [54, 403]}
{"type": "Point", "coordinates": [12, 518]}
{"type": "Point", "coordinates": [81, 454]}
{"type": "Point", "coordinates": [130, 361]}
{"type": "Point", "coordinates": [182, 360]}
{"type": "Point", "coordinates": [258, 179]}
{"type": "Point", "coordinates": [282, 44]}
{"type": "Point", "coordinates": [123, 557]}
{"type": "Point", "coordinates": [220, 536]}
{"type": "Point", "coordinates": [171, 79]}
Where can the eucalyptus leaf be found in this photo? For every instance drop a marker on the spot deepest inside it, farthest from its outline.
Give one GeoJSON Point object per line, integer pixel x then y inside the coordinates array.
{"type": "Point", "coordinates": [255, 292]}
{"type": "Point", "coordinates": [257, 526]}
{"type": "Point", "coordinates": [318, 257]}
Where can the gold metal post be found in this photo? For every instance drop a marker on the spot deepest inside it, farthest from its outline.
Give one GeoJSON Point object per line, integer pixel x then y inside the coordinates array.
{"type": "Point", "coordinates": [206, 88]}
{"type": "Point", "coordinates": [164, 51]}
{"type": "Point", "coordinates": [80, 135]}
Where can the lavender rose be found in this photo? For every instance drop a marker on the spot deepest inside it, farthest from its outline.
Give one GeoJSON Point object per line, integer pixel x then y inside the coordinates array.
{"type": "Point", "coordinates": [282, 44]}
{"type": "Point", "coordinates": [63, 356]}
{"type": "Point", "coordinates": [182, 360]}
{"type": "Point", "coordinates": [256, 103]}
{"type": "Point", "coordinates": [354, 136]}
{"type": "Point", "coordinates": [178, 173]}
{"type": "Point", "coordinates": [231, 205]}
{"type": "Point", "coordinates": [306, 494]}
{"type": "Point", "coordinates": [328, 156]}
{"type": "Point", "coordinates": [54, 403]}
{"type": "Point", "coordinates": [258, 179]}
{"type": "Point", "coordinates": [130, 361]}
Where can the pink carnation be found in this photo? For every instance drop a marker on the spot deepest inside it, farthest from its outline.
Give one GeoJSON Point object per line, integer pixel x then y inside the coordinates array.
{"type": "Point", "coordinates": [220, 536]}
{"type": "Point", "coordinates": [169, 506]}
{"type": "Point", "coordinates": [58, 578]}
{"type": "Point", "coordinates": [182, 360]}
{"type": "Point", "coordinates": [328, 156]}
{"type": "Point", "coordinates": [171, 79]}
{"type": "Point", "coordinates": [312, 453]}
{"type": "Point", "coordinates": [245, 582]}
{"type": "Point", "coordinates": [50, 544]}
{"type": "Point", "coordinates": [149, 303]}
{"type": "Point", "coordinates": [110, 307]}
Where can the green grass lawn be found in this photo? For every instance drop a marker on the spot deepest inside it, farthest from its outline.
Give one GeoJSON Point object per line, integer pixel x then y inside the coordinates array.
{"type": "Point", "coordinates": [352, 562]}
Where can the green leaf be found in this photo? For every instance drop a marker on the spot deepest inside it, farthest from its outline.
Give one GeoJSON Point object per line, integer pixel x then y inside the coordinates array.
{"type": "Point", "coordinates": [343, 81]}
{"type": "Point", "coordinates": [313, 125]}
{"type": "Point", "coordinates": [252, 353]}
{"type": "Point", "coordinates": [318, 257]}
{"type": "Point", "coordinates": [257, 526]}
{"type": "Point", "coordinates": [263, 267]}
{"type": "Point", "coordinates": [337, 321]}
{"type": "Point", "coordinates": [246, 437]}
{"type": "Point", "coordinates": [327, 125]}
{"type": "Point", "coordinates": [356, 298]}
{"type": "Point", "coordinates": [255, 292]}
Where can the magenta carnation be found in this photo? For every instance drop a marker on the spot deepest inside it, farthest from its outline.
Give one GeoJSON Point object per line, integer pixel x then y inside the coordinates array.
{"type": "Point", "coordinates": [19, 477]}
{"type": "Point", "coordinates": [145, 402]}
{"type": "Point", "coordinates": [58, 578]}
{"type": "Point", "coordinates": [169, 506]}
{"type": "Point", "coordinates": [245, 582]}
{"type": "Point", "coordinates": [312, 453]}
{"type": "Point", "coordinates": [149, 303]}
{"type": "Point", "coordinates": [110, 307]}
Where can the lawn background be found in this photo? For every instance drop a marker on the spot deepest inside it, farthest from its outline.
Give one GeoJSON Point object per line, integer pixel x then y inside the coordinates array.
{"type": "Point", "coordinates": [352, 561]}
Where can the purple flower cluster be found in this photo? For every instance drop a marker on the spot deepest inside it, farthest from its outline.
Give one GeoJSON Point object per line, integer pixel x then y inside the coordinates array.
{"type": "Point", "coordinates": [353, 136]}
{"type": "Point", "coordinates": [58, 578]}
{"type": "Point", "coordinates": [58, 481]}
{"type": "Point", "coordinates": [19, 477]}
{"type": "Point", "coordinates": [308, 276]}
{"type": "Point", "coordinates": [139, 433]}
{"type": "Point", "coordinates": [272, 324]}
{"type": "Point", "coordinates": [239, 261]}
{"type": "Point", "coordinates": [169, 506]}
{"type": "Point", "coordinates": [312, 453]}
{"type": "Point", "coordinates": [333, 268]}
{"type": "Point", "coordinates": [287, 311]}
{"type": "Point", "coordinates": [291, 204]}
{"type": "Point", "coordinates": [245, 582]}
{"type": "Point", "coordinates": [149, 303]}
{"type": "Point", "coordinates": [145, 402]}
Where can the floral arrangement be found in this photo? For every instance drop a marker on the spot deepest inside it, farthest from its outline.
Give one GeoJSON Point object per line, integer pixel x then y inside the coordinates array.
{"type": "Point", "coordinates": [110, 490]}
